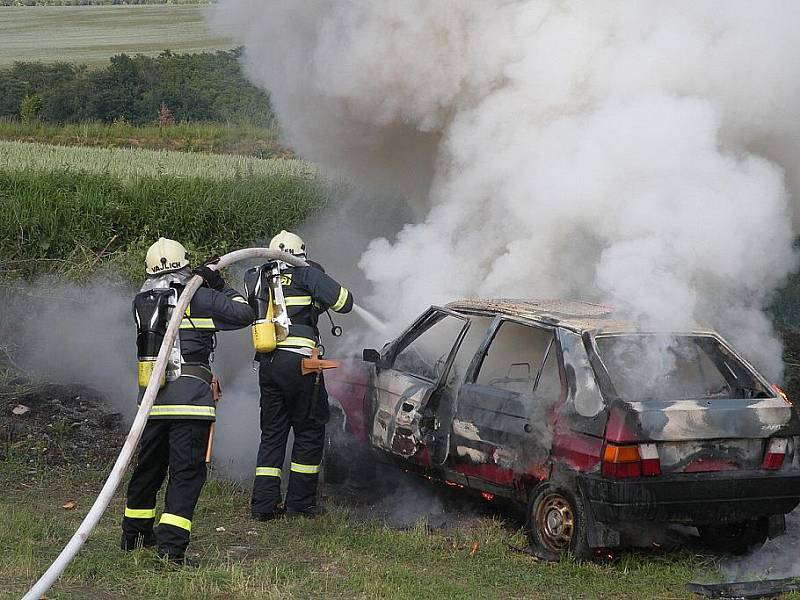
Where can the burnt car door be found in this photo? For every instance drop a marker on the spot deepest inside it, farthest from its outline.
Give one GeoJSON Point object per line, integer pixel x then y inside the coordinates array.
{"type": "Point", "coordinates": [410, 372]}
{"type": "Point", "coordinates": [503, 422]}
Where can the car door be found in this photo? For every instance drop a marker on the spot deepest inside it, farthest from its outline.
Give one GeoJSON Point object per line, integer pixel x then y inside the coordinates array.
{"type": "Point", "coordinates": [502, 426]}
{"type": "Point", "coordinates": [410, 371]}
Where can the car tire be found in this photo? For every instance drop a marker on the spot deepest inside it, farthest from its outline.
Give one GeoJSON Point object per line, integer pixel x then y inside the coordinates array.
{"type": "Point", "coordinates": [734, 538]}
{"type": "Point", "coordinates": [556, 523]}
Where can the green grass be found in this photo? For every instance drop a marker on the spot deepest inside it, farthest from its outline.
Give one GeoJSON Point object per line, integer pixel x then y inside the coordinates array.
{"type": "Point", "coordinates": [215, 138]}
{"type": "Point", "coordinates": [71, 223]}
{"type": "Point", "coordinates": [127, 162]}
{"type": "Point", "coordinates": [92, 34]}
{"type": "Point", "coordinates": [331, 557]}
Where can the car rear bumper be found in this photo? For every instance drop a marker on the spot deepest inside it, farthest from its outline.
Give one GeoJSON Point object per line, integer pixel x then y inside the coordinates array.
{"type": "Point", "coordinates": [692, 498]}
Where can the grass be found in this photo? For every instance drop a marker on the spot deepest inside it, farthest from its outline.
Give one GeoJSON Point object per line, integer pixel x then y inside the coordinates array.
{"type": "Point", "coordinates": [127, 162]}
{"type": "Point", "coordinates": [331, 557]}
{"type": "Point", "coordinates": [215, 138]}
{"type": "Point", "coordinates": [92, 34]}
{"type": "Point", "coordinates": [71, 223]}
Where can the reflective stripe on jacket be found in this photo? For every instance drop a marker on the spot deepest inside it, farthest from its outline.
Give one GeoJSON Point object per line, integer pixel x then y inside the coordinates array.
{"type": "Point", "coordinates": [189, 397]}
{"type": "Point", "coordinates": [309, 291]}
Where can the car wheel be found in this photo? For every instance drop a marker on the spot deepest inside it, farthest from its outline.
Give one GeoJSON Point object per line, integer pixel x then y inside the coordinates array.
{"type": "Point", "coordinates": [734, 538]}
{"type": "Point", "coordinates": [556, 523]}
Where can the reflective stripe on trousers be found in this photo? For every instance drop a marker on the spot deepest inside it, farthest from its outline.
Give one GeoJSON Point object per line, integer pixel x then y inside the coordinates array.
{"type": "Point", "coordinates": [140, 513]}
{"type": "Point", "coordinates": [175, 520]}
{"type": "Point", "coordinates": [308, 469]}
{"type": "Point", "coordinates": [269, 472]}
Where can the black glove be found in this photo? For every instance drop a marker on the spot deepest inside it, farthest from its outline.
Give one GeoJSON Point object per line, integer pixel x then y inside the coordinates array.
{"type": "Point", "coordinates": [212, 278]}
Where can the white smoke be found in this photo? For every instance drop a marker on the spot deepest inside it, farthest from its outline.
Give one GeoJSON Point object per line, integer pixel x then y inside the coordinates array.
{"type": "Point", "coordinates": [631, 152]}
{"type": "Point", "coordinates": [74, 333]}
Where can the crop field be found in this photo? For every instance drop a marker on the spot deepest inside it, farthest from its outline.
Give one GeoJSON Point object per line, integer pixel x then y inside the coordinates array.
{"type": "Point", "coordinates": [92, 34]}
{"type": "Point", "coordinates": [217, 138]}
{"type": "Point", "coordinates": [66, 210]}
{"type": "Point", "coordinates": [128, 162]}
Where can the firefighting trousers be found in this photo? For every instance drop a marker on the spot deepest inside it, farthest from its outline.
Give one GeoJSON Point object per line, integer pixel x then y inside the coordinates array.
{"type": "Point", "coordinates": [177, 446]}
{"type": "Point", "coordinates": [289, 400]}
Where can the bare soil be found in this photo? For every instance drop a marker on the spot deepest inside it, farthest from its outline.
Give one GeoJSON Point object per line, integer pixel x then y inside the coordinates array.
{"type": "Point", "coordinates": [57, 424]}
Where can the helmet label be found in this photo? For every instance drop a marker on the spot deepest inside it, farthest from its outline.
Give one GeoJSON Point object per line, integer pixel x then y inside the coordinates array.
{"type": "Point", "coordinates": [165, 266]}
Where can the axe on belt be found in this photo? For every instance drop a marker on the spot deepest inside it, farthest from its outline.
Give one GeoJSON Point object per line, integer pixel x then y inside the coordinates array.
{"type": "Point", "coordinates": [314, 364]}
{"type": "Point", "coordinates": [216, 394]}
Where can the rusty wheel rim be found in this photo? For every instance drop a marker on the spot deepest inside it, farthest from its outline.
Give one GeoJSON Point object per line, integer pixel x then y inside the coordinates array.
{"type": "Point", "coordinates": [555, 522]}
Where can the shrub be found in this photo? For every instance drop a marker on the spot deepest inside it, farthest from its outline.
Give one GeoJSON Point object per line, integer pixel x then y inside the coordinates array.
{"type": "Point", "coordinates": [30, 107]}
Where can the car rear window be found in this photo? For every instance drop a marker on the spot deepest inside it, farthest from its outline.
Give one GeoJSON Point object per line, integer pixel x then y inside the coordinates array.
{"type": "Point", "coordinates": [675, 367]}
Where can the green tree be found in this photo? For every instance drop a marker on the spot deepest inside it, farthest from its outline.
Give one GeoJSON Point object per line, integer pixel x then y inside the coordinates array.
{"type": "Point", "coordinates": [30, 107]}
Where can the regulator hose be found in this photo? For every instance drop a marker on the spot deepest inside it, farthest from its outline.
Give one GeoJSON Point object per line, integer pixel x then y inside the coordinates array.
{"type": "Point", "coordinates": [118, 470]}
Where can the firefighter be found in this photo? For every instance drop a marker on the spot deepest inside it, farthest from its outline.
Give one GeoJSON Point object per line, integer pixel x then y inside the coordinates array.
{"type": "Point", "coordinates": [289, 399]}
{"type": "Point", "coordinates": [176, 435]}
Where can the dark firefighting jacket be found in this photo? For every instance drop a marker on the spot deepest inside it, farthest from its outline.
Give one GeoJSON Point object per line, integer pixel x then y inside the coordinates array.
{"type": "Point", "coordinates": [308, 291]}
{"type": "Point", "coordinates": [189, 396]}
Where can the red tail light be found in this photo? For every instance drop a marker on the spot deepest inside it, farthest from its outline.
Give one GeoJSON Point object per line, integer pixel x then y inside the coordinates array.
{"type": "Point", "coordinates": [776, 452]}
{"type": "Point", "coordinates": [631, 461]}
{"type": "Point", "coordinates": [651, 463]}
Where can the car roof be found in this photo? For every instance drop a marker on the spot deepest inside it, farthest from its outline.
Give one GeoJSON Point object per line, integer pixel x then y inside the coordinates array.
{"type": "Point", "coordinates": [576, 315]}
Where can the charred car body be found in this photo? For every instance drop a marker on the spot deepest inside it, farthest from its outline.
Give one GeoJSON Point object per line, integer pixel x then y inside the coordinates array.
{"type": "Point", "coordinates": [591, 424]}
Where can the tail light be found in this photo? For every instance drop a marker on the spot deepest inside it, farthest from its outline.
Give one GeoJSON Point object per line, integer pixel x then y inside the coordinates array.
{"type": "Point", "coordinates": [776, 452]}
{"type": "Point", "coordinates": [631, 461]}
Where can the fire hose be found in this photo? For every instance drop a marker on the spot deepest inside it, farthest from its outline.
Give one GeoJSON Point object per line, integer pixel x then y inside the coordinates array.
{"type": "Point", "coordinates": [121, 464]}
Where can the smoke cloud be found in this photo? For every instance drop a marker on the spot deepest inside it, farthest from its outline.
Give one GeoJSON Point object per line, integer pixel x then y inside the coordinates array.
{"type": "Point", "coordinates": [636, 153]}
{"type": "Point", "coordinates": [75, 333]}
{"type": "Point", "coordinates": [84, 333]}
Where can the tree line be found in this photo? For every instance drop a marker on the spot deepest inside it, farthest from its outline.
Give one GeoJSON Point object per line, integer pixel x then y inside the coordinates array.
{"type": "Point", "coordinates": [207, 86]}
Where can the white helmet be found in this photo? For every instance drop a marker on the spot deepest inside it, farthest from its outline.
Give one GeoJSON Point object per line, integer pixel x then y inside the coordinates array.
{"type": "Point", "coordinates": [166, 256]}
{"type": "Point", "coordinates": [288, 242]}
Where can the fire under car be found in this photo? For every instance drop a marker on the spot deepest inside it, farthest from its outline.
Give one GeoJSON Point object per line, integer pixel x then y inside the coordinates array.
{"type": "Point", "coordinates": [592, 426]}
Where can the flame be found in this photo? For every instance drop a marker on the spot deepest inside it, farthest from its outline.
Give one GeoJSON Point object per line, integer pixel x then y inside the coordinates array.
{"type": "Point", "coordinates": [782, 393]}
{"type": "Point", "coordinates": [487, 496]}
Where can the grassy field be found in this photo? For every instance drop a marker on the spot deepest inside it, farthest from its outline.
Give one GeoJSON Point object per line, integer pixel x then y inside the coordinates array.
{"type": "Point", "coordinates": [92, 34]}
{"type": "Point", "coordinates": [215, 138]}
{"type": "Point", "coordinates": [127, 163]}
{"type": "Point", "coordinates": [72, 223]}
{"type": "Point", "coordinates": [70, 210]}
{"type": "Point", "coordinates": [334, 556]}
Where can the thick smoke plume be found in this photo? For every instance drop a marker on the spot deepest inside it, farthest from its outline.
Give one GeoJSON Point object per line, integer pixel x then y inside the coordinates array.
{"type": "Point", "coordinates": [636, 153]}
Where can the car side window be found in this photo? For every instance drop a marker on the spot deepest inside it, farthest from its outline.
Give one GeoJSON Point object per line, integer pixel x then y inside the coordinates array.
{"type": "Point", "coordinates": [549, 385]}
{"type": "Point", "coordinates": [425, 353]}
{"type": "Point", "coordinates": [514, 359]}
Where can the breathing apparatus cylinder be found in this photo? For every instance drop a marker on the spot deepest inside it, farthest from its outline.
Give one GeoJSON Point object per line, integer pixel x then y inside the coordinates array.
{"type": "Point", "coordinates": [263, 329]}
{"type": "Point", "coordinates": [265, 295]}
{"type": "Point", "coordinates": [153, 310]}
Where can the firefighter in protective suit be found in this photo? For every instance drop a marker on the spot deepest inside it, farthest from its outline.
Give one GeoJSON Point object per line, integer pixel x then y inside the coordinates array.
{"type": "Point", "coordinates": [176, 435]}
{"type": "Point", "coordinates": [288, 398]}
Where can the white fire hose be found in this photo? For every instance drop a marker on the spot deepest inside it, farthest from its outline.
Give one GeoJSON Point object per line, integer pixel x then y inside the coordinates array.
{"type": "Point", "coordinates": [118, 471]}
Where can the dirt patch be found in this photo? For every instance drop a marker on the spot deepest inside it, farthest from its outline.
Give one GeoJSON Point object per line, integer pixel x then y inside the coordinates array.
{"type": "Point", "coordinates": [57, 424]}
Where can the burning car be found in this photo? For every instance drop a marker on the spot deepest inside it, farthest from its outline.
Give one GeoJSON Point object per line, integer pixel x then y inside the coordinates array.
{"type": "Point", "coordinates": [591, 425]}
